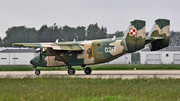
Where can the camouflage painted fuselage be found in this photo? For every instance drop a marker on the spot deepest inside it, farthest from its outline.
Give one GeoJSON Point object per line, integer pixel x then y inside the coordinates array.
{"type": "Point", "coordinates": [94, 52]}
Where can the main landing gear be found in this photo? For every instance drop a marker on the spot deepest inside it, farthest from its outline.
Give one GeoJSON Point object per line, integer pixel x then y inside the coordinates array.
{"type": "Point", "coordinates": [87, 70]}
{"type": "Point", "coordinates": [37, 71]}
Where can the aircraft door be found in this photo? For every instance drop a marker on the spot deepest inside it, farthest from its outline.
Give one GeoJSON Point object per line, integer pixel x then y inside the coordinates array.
{"type": "Point", "coordinates": [89, 51]}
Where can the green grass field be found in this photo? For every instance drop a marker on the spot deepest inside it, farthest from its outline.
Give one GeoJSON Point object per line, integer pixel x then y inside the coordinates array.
{"type": "Point", "coordinates": [95, 67]}
{"type": "Point", "coordinates": [88, 89]}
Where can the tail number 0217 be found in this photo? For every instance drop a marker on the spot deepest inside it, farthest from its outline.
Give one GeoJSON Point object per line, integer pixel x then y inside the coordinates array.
{"type": "Point", "coordinates": [110, 49]}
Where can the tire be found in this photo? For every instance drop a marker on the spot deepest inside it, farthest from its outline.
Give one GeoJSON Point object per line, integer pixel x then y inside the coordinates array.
{"type": "Point", "coordinates": [87, 70]}
{"type": "Point", "coordinates": [37, 72]}
{"type": "Point", "coordinates": [71, 71]}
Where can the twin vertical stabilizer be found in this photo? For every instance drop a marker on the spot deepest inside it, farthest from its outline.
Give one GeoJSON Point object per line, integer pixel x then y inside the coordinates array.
{"type": "Point", "coordinates": [135, 36]}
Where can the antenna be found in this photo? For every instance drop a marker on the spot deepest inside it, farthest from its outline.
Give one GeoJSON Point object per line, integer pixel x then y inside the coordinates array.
{"type": "Point", "coordinates": [57, 40]}
{"type": "Point", "coordinates": [114, 37]}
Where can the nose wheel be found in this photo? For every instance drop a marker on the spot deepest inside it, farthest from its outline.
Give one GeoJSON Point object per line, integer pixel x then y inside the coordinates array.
{"type": "Point", "coordinates": [37, 71]}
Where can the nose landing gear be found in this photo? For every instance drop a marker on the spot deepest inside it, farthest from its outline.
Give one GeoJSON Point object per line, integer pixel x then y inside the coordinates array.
{"type": "Point", "coordinates": [71, 71]}
{"type": "Point", "coordinates": [37, 71]}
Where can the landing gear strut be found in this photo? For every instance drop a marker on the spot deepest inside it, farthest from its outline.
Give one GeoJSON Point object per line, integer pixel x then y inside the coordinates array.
{"type": "Point", "coordinates": [37, 71]}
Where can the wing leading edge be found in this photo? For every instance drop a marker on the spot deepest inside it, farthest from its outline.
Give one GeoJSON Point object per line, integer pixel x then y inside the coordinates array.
{"type": "Point", "coordinates": [55, 46]}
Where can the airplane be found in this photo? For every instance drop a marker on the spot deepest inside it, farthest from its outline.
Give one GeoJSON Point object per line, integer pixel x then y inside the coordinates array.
{"type": "Point", "coordinates": [92, 52]}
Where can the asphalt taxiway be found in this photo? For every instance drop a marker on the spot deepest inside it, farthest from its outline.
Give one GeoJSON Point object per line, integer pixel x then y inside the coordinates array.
{"type": "Point", "coordinates": [124, 74]}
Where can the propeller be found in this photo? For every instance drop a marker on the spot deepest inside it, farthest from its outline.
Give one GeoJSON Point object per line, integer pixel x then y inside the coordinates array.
{"type": "Point", "coordinates": [41, 51]}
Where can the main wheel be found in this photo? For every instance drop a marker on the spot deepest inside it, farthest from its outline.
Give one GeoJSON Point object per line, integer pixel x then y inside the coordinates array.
{"type": "Point", "coordinates": [71, 71]}
{"type": "Point", "coordinates": [37, 72]}
{"type": "Point", "coordinates": [87, 70]}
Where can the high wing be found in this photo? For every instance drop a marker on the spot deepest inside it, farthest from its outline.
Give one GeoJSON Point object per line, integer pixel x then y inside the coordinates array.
{"type": "Point", "coordinates": [68, 46]}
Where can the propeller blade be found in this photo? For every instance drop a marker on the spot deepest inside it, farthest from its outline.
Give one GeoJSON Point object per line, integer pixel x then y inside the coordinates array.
{"type": "Point", "coordinates": [41, 50]}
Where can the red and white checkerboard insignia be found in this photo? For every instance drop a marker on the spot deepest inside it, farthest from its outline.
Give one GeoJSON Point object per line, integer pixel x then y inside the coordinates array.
{"type": "Point", "coordinates": [132, 32]}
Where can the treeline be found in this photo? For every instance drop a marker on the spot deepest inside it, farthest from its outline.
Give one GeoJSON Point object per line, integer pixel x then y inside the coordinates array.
{"type": "Point", "coordinates": [174, 38]}
{"type": "Point", "coordinates": [23, 34]}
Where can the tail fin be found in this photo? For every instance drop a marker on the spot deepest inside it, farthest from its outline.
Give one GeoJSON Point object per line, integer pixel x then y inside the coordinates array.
{"type": "Point", "coordinates": [134, 38]}
{"type": "Point", "coordinates": [161, 33]}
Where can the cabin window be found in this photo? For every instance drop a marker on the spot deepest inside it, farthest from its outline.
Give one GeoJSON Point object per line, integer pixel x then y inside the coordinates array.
{"type": "Point", "coordinates": [167, 55]}
{"type": "Point", "coordinates": [89, 51]}
{"type": "Point", "coordinates": [3, 58]}
{"type": "Point", "coordinates": [15, 58]}
{"type": "Point", "coordinates": [98, 44]}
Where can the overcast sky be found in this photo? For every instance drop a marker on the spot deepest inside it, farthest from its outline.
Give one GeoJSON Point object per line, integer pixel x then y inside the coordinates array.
{"type": "Point", "coordinates": [113, 14]}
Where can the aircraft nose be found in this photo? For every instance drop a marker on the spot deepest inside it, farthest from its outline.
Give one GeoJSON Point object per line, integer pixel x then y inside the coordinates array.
{"type": "Point", "coordinates": [31, 62]}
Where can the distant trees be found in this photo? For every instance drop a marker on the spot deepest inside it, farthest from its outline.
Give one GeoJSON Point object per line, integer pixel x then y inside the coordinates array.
{"type": "Point", "coordinates": [49, 34]}
{"type": "Point", "coordinates": [19, 34]}
{"type": "Point", "coordinates": [46, 33]}
{"type": "Point", "coordinates": [174, 38]}
{"type": "Point", "coordinates": [94, 32]}
{"type": "Point", "coordinates": [80, 33]}
{"type": "Point", "coordinates": [1, 42]}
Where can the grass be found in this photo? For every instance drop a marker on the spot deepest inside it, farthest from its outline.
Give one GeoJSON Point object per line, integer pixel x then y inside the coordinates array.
{"type": "Point", "coordinates": [15, 68]}
{"type": "Point", "coordinates": [95, 67]}
{"type": "Point", "coordinates": [87, 89]}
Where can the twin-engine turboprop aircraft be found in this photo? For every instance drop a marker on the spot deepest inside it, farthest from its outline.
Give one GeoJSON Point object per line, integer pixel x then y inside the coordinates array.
{"type": "Point", "coordinates": [100, 51]}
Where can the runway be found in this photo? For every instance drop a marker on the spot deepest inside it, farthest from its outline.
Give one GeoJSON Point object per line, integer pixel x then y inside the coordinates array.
{"type": "Point", "coordinates": [124, 74]}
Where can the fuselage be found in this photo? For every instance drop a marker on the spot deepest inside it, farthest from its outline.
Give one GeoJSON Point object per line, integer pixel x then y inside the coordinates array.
{"type": "Point", "coordinates": [94, 52]}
